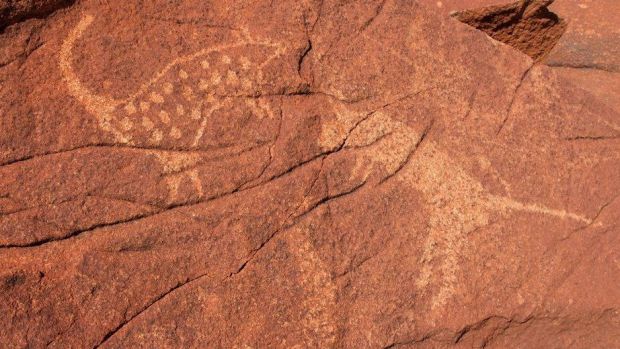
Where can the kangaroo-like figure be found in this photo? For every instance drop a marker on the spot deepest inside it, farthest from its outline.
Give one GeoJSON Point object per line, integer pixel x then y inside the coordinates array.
{"type": "Point", "coordinates": [174, 106]}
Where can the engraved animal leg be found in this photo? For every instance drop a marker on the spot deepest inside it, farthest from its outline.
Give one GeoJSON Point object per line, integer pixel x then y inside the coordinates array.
{"type": "Point", "coordinates": [319, 326]}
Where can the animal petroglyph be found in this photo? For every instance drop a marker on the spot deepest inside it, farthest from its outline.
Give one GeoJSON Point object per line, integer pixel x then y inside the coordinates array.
{"type": "Point", "coordinates": [319, 326]}
{"type": "Point", "coordinates": [176, 104]}
{"type": "Point", "coordinates": [458, 202]}
{"type": "Point", "coordinates": [175, 107]}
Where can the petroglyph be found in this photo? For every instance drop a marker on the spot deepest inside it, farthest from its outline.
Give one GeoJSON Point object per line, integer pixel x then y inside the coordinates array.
{"type": "Point", "coordinates": [175, 106]}
{"type": "Point", "coordinates": [459, 202]}
{"type": "Point", "coordinates": [180, 167]}
{"type": "Point", "coordinates": [319, 326]}
{"type": "Point", "coordinates": [382, 144]}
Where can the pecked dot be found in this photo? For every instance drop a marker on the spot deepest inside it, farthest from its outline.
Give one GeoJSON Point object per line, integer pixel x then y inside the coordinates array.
{"type": "Point", "coordinates": [215, 78]}
{"type": "Point", "coordinates": [232, 78]}
{"type": "Point", "coordinates": [245, 63]}
{"type": "Point", "coordinates": [164, 116]}
{"type": "Point", "coordinates": [195, 114]}
{"type": "Point", "coordinates": [130, 108]}
{"type": "Point", "coordinates": [126, 124]}
{"type": "Point", "coordinates": [168, 88]}
{"type": "Point", "coordinates": [210, 98]}
{"type": "Point", "coordinates": [157, 136]}
{"type": "Point", "coordinates": [188, 93]}
{"type": "Point", "coordinates": [157, 98]}
{"type": "Point", "coordinates": [147, 123]}
{"type": "Point", "coordinates": [144, 106]}
{"type": "Point", "coordinates": [175, 133]}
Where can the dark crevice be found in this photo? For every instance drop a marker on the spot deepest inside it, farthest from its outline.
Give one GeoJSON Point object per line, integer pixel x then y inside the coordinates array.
{"type": "Point", "coordinates": [239, 189]}
{"type": "Point", "coordinates": [410, 154]}
{"type": "Point", "coordinates": [15, 11]}
{"type": "Point", "coordinates": [527, 25]}
{"type": "Point", "coordinates": [378, 11]}
{"type": "Point", "coordinates": [592, 138]}
{"type": "Point", "coordinates": [303, 56]}
{"type": "Point", "coordinates": [513, 99]}
{"type": "Point", "coordinates": [293, 218]}
{"type": "Point", "coordinates": [75, 233]}
{"type": "Point", "coordinates": [124, 323]}
{"type": "Point", "coordinates": [593, 66]}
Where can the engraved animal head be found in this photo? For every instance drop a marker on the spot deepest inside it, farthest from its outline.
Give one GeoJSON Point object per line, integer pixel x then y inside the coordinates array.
{"type": "Point", "coordinates": [175, 106]}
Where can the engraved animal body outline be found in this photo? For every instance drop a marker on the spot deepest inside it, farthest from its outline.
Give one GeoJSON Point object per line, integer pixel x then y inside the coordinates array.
{"type": "Point", "coordinates": [107, 109]}
{"type": "Point", "coordinates": [120, 117]}
{"type": "Point", "coordinates": [450, 219]}
{"type": "Point", "coordinates": [459, 203]}
{"type": "Point", "coordinates": [317, 325]}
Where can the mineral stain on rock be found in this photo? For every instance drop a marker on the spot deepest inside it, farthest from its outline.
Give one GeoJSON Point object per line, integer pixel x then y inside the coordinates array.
{"type": "Point", "coordinates": [526, 25]}
{"type": "Point", "coordinates": [14, 280]}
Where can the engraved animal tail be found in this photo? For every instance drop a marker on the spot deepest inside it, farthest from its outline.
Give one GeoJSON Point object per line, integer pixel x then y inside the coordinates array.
{"type": "Point", "coordinates": [102, 107]}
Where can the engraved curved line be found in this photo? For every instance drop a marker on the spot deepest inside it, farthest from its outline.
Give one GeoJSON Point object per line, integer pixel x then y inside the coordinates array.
{"type": "Point", "coordinates": [103, 106]}
{"type": "Point", "coordinates": [459, 203]}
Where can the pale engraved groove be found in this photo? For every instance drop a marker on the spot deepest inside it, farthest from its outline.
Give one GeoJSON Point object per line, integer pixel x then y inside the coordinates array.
{"type": "Point", "coordinates": [458, 203]}
{"type": "Point", "coordinates": [319, 302]}
{"type": "Point", "coordinates": [100, 106]}
{"type": "Point", "coordinates": [104, 107]}
{"type": "Point", "coordinates": [146, 100]}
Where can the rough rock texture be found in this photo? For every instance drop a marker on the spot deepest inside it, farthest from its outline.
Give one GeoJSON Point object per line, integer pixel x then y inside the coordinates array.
{"type": "Point", "coordinates": [588, 51]}
{"type": "Point", "coordinates": [301, 174]}
{"type": "Point", "coordinates": [13, 11]}
{"type": "Point", "coordinates": [592, 40]}
{"type": "Point", "coordinates": [526, 25]}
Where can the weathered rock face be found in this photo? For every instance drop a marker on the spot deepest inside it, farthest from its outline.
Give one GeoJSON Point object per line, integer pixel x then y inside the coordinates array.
{"type": "Point", "coordinates": [299, 174]}
{"type": "Point", "coordinates": [586, 53]}
{"type": "Point", "coordinates": [12, 11]}
{"type": "Point", "coordinates": [589, 52]}
{"type": "Point", "coordinates": [527, 25]}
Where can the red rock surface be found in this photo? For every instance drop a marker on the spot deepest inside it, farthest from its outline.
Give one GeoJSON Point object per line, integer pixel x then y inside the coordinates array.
{"type": "Point", "coordinates": [13, 11]}
{"type": "Point", "coordinates": [304, 174]}
{"type": "Point", "coordinates": [526, 25]}
{"type": "Point", "coordinates": [588, 51]}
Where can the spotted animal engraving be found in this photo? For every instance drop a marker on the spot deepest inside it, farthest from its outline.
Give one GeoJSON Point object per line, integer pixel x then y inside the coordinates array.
{"type": "Point", "coordinates": [175, 107]}
{"type": "Point", "coordinates": [207, 100]}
